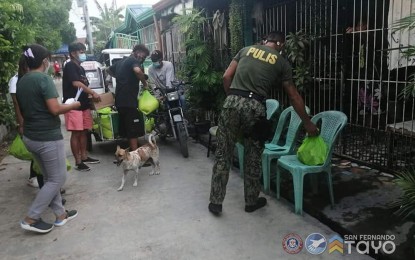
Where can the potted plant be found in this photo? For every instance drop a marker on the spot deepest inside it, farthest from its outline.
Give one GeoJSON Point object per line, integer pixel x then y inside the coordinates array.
{"type": "Point", "coordinates": [406, 203]}
{"type": "Point", "coordinates": [206, 94]}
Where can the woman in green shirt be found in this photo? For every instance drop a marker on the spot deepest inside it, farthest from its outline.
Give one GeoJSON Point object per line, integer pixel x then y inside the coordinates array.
{"type": "Point", "coordinates": [38, 101]}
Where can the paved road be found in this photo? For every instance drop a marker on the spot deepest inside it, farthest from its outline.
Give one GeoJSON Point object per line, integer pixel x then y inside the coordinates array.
{"type": "Point", "coordinates": [164, 217]}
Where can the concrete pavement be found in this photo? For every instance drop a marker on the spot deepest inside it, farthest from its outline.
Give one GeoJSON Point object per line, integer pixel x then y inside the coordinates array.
{"type": "Point", "coordinates": [165, 217]}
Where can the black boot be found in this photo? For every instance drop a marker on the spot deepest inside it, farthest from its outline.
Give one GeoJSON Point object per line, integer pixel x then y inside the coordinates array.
{"type": "Point", "coordinates": [215, 209]}
{"type": "Point", "coordinates": [259, 204]}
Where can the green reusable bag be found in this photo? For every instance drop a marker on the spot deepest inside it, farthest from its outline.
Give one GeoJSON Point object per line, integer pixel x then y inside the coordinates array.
{"type": "Point", "coordinates": [149, 124]}
{"type": "Point", "coordinates": [19, 150]}
{"type": "Point", "coordinates": [147, 103]}
{"type": "Point", "coordinates": [36, 167]}
{"type": "Point", "coordinates": [313, 151]}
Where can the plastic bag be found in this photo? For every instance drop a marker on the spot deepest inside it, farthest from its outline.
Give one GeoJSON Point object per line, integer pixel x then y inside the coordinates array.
{"type": "Point", "coordinates": [19, 150]}
{"type": "Point", "coordinates": [36, 166]}
{"type": "Point", "coordinates": [313, 151]}
{"type": "Point", "coordinates": [149, 124]}
{"type": "Point", "coordinates": [147, 103]}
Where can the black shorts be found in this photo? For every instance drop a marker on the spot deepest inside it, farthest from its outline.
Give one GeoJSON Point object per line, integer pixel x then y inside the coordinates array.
{"type": "Point", "coordinates": [131, 124]}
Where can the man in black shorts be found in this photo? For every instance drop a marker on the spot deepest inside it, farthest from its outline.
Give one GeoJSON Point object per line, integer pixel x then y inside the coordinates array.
{"type": "Point", "coordinates": [129, 72]}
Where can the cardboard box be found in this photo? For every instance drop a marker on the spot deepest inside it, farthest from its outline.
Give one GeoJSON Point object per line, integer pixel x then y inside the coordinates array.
{"type": "Point", "coordinates": [107, 100]}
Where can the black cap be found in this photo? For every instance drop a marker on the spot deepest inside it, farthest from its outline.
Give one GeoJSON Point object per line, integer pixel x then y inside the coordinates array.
{"type": "Point", "coordinates": [156, 55]}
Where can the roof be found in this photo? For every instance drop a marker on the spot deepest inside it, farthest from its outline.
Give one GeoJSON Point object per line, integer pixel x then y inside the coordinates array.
{"type": "Point", "coordinates": [135, 15]}
{"type": "Point", "coordinates": [136, 10]}
{"type": "Point", "coordinates": [159, 6]}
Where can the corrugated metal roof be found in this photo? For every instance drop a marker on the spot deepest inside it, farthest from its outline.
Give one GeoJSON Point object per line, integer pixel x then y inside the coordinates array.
{"type": "Point", "coordinates": [136, 10]}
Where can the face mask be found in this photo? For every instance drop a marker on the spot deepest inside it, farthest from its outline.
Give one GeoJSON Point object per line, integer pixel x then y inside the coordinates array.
{"type": "Point", "coordinates": [156, 65]}
{"type": "Point", "coordinates": [47, 68]}
{"type": "Point", "coordinates": [82, 57]}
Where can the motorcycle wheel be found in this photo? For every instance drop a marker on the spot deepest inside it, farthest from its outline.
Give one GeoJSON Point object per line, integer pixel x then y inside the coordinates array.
{"type": "Point", "coordinates": [182, 137]}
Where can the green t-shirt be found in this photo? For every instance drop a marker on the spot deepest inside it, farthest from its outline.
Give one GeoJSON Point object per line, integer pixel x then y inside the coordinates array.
{"type": "Point", "coordinates": [260, 68]}
{"type": "Point", "coordinates": [33, 89]}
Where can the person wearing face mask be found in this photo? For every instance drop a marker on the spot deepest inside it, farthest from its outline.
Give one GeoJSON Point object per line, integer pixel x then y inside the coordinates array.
{"type": "Point", "coordinates": [79, 121]}
{"type": "Point", "coordinates": [161, 74]}
{"type": "Point", "coordinates": [38, 103]}
{"type": "Point", "coordinates": [129, 72]}
{"type": "Point", "coordinates": [248, 82]}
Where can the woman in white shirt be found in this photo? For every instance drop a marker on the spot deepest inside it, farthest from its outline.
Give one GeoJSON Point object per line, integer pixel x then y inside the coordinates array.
{"type": "Point", "coordinates": [34, 179]}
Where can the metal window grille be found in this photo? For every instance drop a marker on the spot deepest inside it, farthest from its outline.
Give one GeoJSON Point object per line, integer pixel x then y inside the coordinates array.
{"type": "Point", "coordinates": [358, 67]}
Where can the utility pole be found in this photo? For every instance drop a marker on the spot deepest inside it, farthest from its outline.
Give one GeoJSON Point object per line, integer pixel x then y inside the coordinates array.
{"type": "Point", "coordinates": [82, 3]}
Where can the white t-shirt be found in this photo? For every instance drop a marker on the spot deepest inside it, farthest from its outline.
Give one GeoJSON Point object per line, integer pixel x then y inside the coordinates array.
{"type": "Point", "coordinates": [12, 84]}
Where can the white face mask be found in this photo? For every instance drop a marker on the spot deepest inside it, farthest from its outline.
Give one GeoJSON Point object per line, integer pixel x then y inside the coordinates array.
{"type": "Point", "coordinates": [47, 68]}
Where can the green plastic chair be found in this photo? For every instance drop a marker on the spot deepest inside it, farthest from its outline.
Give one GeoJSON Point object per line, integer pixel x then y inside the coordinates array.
{"type": "Point", "coordinates": [272, 106]}
{"type": "Point", "coordinates": [274, 151]}
{"type": "Point", "coordinates": [332, 122]}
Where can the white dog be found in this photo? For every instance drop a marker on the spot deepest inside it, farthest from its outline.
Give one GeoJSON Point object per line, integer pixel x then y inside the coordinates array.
{"type": "Point", "coordinates": [134, 160]}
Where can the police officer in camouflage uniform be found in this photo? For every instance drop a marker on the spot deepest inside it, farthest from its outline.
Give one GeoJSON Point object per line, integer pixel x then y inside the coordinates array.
{"type": "Point", "coordinates": [248, 81]}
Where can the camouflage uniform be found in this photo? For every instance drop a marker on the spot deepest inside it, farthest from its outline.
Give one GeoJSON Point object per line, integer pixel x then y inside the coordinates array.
{"type": "Point", "coordinates": [238, 116]}
{"type": "Point", "coordinates": [258, 71]}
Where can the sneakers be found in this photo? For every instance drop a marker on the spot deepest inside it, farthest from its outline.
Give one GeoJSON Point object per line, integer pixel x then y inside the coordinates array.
{"type": "Point", "coordinates": [215, 209]}
{"type": "Point", "coordinates": [259, 204]}
{"type": "Point", "coordinates": [39, 226]}
{"type": "Point", "coordinates": [32, 182]}
{"type": "Point", "coordinates": [82, 167]}
{"type": "Point", "coordinates": [91, 160]}
{"type": "Point", "coordinates": [69, 215]}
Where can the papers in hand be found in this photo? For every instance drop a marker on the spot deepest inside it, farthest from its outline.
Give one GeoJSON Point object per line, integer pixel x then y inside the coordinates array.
{"type": "Point", "coordinates": [69, 101]}
{"type": "Point", "coordinates": [78, 93]}
{"type": "Point", "coordinates": [72, 100]}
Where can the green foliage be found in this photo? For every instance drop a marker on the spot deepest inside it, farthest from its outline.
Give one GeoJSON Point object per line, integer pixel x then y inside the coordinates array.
{"type": "Point", "coordinates": [7, 113]}
{"type": "Point", "coordinates": [407, 23]}
{"type": "Point", "coordinates": [296, 45]}
{"type": "Point", "coordinates": [68, 33]}
{"type": "Point", "coordinates": [109, 20]}
{"type": "Point", "coordinates": [199, 66]}
{"type": "Point", "coordinates": [406, 181]}
{"type": "Point", "coordinates": [25, 22]}
{"type": "Point", "coordinates": [235, 25]}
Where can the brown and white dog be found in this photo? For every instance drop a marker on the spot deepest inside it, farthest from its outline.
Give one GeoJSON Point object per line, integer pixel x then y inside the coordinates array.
{"type": "Point", "coordinates": [134, 160]}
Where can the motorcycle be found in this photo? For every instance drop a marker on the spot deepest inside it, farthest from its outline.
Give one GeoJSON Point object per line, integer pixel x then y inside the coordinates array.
{"type": "Point", "coordinates": [169, 120]}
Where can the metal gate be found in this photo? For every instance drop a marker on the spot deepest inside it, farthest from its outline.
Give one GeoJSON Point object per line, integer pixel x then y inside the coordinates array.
{"type": "Point", "coordinates": [357, 66]}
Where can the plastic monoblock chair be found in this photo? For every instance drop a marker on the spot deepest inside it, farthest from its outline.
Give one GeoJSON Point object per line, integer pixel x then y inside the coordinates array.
{"type": "Point", "coordinates": [332, 122]}
{"type": "Point", "coordinates": [274, 151]}
{"type": "Point", "coordinates": [272, 106]}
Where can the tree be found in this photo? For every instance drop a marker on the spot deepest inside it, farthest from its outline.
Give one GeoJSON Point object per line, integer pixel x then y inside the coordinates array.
{"type": "Point", "coordinates": [111, 18]}
{"type": "Point", "coordinates": [68, 33]}
{"type": "Point", "coordinates": [25, 22]}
